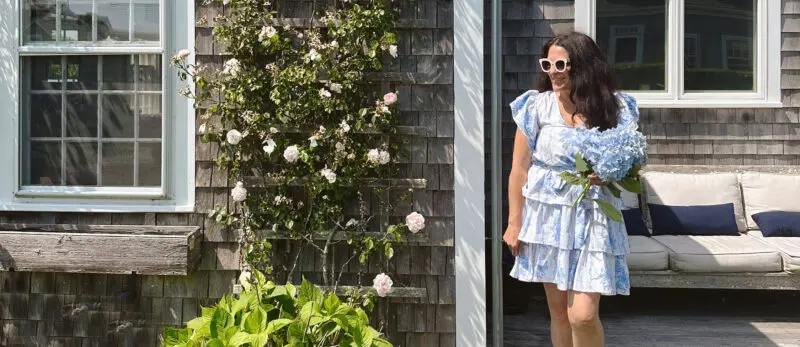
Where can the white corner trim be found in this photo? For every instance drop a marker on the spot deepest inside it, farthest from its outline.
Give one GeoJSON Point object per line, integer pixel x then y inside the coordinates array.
{"type": "Point", "coordinates": [470, 254]}
{"type": "Point", "coordinates": [584, 17]}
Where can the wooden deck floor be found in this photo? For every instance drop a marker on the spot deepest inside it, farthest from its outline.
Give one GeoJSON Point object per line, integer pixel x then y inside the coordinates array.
{"type": "Point", "coordinates": [674, 317]}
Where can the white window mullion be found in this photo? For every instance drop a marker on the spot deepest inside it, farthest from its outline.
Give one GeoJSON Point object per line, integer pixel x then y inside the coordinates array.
{"type": "Point", "coordinates": [676, 66]}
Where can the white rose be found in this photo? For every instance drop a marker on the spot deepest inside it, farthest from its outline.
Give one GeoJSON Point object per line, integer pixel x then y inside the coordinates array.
{"type": "Point", "coordinates": [345, 127]}
{"type": "Point", "coordinates": [313, 54]}
{"type": "Point", "coordinates": [351, 156]}
{"type": "Point", "coordinates": [321, 129]}
{"type": "Point", "coordinates": [384, 157]}
{"type": "Point", "coordinates": [273, 130]}
{"type": "Point", "coordinates": [351, 222]}
{"type": "Point", "coordinates": [373, 156]}
{"type": "Point", "coordinates": [415, 222]}
{"type": "Point", "coordinates": [336, 87]}
{"type": "Point", "coordinates": [291, 154]}
{"type": "Point", "coordinates": [382, 284]}
{"type": "Point", "coordinates": [233, 137]}
{"type": "Point", "coordinates": [324, 93]}
{"type": "Point", "coordinates": [339, 147]}
{"type": "Point", "coordinates": [329, 175]}
{"type": "Point", "coordinates": [239, 193]}
{"type": "Point", "coordinates": [313, 140]}
{"type": "Point", "coordinates": [231, 67]}
{"type": "Point", "coordinates": [182, 54]}
{"type": "Point", "coordinates": [202, 129]}
{"type": "Point", "coordinates": [393, 51]}
{"type": "Point", "coordinates": [267, 32]}
{"type": "Point", "coordinates": [385, 109]}
{"type": "Point", "coordinates": [270, 146]}
{"type": "Point", "coordinates": [334, 44]}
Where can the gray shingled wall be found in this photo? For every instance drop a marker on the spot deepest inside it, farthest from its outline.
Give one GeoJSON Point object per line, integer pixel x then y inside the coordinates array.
{"type": "Point", "coordinates": [58, 309]}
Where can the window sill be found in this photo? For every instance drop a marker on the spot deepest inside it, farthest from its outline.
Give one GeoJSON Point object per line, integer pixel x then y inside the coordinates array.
{"type": "Point", "coordinates": [105, 249]}
{"type": "Point", "coordinates": [94, 207]}
{"type": "Point", "coordinates": [744, 103]}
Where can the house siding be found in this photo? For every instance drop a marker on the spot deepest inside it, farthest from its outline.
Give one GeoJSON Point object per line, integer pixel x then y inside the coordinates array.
{"type": "Point", "coordinates": [61, 309]}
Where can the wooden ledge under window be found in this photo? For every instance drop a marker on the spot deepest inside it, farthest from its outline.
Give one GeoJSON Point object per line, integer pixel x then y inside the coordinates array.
{"type": "Point", "coordinates": [106, 249]}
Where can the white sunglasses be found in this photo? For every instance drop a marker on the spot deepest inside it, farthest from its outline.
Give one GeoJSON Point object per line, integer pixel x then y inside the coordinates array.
{"type": "Point", "coordinates": [547, 64]}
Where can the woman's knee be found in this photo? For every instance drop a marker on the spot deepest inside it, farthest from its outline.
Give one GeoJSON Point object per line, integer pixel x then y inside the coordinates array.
{"type": "Point", "coordinates": [583, 309]}
{"type": "Point", "coordinates": [582, 318]}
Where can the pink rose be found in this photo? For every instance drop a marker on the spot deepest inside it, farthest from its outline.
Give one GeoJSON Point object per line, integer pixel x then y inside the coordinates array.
{"type": "Point", "coordinates": [389, 98]}
{"type": "Point", "coordinates": [415, 222]}
{"type": "Point", "coordinates": [382, 284]}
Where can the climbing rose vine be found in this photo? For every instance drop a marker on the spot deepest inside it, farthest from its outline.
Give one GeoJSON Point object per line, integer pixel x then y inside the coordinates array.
{"type": "Point", "coordinates": [308, 139]}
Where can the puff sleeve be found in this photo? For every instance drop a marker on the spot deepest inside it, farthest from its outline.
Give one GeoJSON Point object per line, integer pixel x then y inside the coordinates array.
{"type": "Point", "coordinates": [629, 112]}
{"type": "Point", "coordinates": [523, 111]}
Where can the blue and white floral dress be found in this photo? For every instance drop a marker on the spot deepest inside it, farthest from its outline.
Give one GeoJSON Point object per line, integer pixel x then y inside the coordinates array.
{"type": "Point", "coordinates": [577, 248]}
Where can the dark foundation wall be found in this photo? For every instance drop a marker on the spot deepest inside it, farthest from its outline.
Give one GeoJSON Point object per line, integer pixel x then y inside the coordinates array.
{"type": "Point", "coordinates": [63, 309]}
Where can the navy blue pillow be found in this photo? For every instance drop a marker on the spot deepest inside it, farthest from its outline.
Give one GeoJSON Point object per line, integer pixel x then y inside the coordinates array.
{"type": "Point", "coordinates": [634, 224]}
{"type": "Point", "coordinates": [778, 223]}
{"type": "Point", "coordinates": [693, 220]}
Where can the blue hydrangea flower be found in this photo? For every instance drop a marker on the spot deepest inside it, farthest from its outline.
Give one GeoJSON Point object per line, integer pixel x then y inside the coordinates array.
{"type": "Point", "coordinates": [612, 153]}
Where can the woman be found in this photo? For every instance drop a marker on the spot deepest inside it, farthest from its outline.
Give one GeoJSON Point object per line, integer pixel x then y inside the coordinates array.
{"type": "Point", "coordinates": [577, 252]}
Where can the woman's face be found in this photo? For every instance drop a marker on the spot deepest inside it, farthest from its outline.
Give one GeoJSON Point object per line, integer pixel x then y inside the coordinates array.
{"type": "Point", "coordinates": [557, 67]}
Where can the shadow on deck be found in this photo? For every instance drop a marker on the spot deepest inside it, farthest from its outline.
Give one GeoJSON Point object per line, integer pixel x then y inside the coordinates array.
{"type": "Point", "coordinates": [675, 317]}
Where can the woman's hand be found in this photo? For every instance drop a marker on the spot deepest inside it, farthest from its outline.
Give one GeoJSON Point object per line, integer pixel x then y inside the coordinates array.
{"type": "Point", "coordinates": [511, 238]}
{"type": "Point", "coordinates": [593, 179]}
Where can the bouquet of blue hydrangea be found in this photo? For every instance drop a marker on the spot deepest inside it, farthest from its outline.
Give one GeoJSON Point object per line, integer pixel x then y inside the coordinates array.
{"type": "Point", "coordinates": [615, 156]}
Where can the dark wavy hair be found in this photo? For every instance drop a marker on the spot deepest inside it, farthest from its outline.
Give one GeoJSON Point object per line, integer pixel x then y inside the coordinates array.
{"type": "Point", "coordinates": [593, 80]}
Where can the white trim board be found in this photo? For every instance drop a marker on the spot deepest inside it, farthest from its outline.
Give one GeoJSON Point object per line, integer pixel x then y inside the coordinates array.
{"type": "Point", "coordinates": [470, 254]}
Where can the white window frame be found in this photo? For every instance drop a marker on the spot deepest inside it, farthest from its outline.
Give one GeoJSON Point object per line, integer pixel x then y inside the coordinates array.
{"type": "Point", "coordinates": [176, 193]}
{"type": "Point", "coordinates": [766, 58]}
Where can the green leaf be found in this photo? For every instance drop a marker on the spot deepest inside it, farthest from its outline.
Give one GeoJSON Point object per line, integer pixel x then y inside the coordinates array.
{"type": "Point", "coordinates": [331, 303]}
{"type": "Point", "coordinates": [219, 322]}
{"type": "Point", "coordinates": [239, 339]}
{"type": "Point", "coordinates": [379, 342]}
{"type": "Point", "coordinates": [215, 343]}
{"type": "Point", "coordinates": [631, 184]}
{"type": "Point", "coordinates": [278, 324]}
{"type": "Point", "coordinates": [610, 211]}
{"type": "Point", "coordinates": [174, 336]}
{"type": "Point", "coordinates": [614, 190]}
{"type": "Point", "coordinates": [388, 251]}
{"type": "Point", "coordinates": [572, 178]}
{"type": "Point", "coordinates": [253, 322]}
{"type": "Point", "coordinates": [259, 339]}
{"type": "Point", "coordinates": [580, 164]}
{"type": "Point", "coordinates": [308, 293]}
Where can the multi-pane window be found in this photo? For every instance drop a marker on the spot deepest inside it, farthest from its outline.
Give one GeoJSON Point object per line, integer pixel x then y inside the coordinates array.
{"type": "Point", "coordinates": [98, 113]}
{"type": "Point", "coordinates": [690, 52]}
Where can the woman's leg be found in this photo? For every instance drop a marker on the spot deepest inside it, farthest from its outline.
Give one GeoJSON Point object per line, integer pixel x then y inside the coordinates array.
{"type": "Point", "coordinates": [560, 332]}
{"type": "Point", "coordinates": [584, 319]}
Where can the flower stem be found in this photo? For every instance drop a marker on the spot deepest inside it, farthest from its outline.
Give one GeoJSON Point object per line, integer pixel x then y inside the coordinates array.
{"type": "Point", "coordinates": [585, 189]}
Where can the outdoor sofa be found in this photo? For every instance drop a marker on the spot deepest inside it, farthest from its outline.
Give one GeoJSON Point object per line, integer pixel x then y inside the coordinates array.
{"type": "Point", "coordinates": [697, 228]}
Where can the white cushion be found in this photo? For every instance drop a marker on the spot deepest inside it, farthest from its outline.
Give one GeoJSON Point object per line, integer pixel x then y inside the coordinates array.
{"type": "Point", "coordinates": [688, 189]}
{"type": "Point", "coordinates": [769, 191]}
{"type": "Point", "coordinates": [647, 254]}
{"type": "Point", "coordinates": [788, 246]}
{"type": "Point", "coordinates": [629, 200]}
{"type": "Point", "coordinates": [741, 253]}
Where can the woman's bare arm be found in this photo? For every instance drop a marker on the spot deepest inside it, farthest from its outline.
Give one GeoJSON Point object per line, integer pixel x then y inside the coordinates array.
{"type": "Point", "coordinates": [521, 162]}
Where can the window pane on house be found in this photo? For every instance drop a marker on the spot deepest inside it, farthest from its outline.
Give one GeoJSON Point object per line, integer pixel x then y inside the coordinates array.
{"type": "Point", "coordinates": [39, 20]}
{"type": "Point", "coordinates": [720, 45]}
{"type": "Point", "coordinates": [119, 118]}
{"type": "Point", "coordinates": [634, 35]}
{"type": "Point", "coordinates": [113, 20]}
{"type": "Point", "coordinates": [146, 14]}
{"type": "Point", "coordinates": [150, 116]}
{"type": "Point", "coordinates": [75, 21]}
{"type": "Point", "coordinates": [108, 124]}
{"type": "Point", "coordinates": [117, 163]}
{"type": "Point", "coordinates": [149, 164]}
{"type": "Point", "coordinates": [43, 163]}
